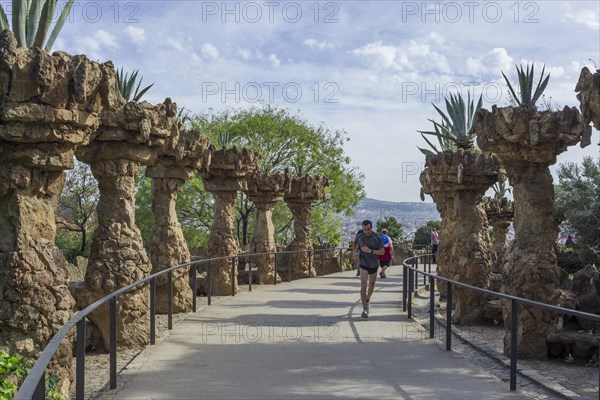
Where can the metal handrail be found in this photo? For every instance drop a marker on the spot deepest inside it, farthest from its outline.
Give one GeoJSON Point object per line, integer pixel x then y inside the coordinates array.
{"type": "Point", "coordinates": [33, 387]}
{"type": "Point", "coordinates": [411, 284]}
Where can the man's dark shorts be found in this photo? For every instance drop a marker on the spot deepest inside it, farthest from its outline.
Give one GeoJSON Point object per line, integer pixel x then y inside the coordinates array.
{"type": "Point", "coordinates": [370, 270]}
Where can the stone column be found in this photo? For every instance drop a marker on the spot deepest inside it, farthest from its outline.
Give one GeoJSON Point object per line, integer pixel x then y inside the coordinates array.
{"type": "Point", "coordinates": [265, 190]}
{"type": "Point", "coordinates": [303, 193]}
{"type": "Point", "coordinates": [49, 105]}
{"type": "Point", "coordinates": [223, 178]}
{"type": "Point", "coordinates": [500, 215]}
{"type": "Point", "coordinates": [168, 247]}
{"type": "Point", "coordinates": [526, 142]}
{"type": "Point", "coordinates": [127, 139]}
{"type": "Point", "coordinates": [588, 94]}
{"type": "Point", "coordinates": [464, 253]}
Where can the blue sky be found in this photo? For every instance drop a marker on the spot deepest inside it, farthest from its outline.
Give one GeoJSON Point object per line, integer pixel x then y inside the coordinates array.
{"type": "Point", "coordinates": [372, 68]}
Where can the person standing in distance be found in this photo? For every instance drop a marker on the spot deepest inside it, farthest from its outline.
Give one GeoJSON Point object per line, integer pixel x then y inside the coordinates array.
{"type": "Point", "coordinates": [370, 245]}
{"type": "Point", "coordinates": [435, 242]}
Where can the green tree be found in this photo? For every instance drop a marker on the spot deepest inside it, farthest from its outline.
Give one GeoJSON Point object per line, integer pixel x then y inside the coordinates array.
{"type": "Point", "coordinates": [423, 233]}
{"type": "Point", "coordinates": [286, 141]}
{"type": "Point", "coordinates": [578, 199]}
{"type": "Point", "coordinates": [76, 211]}
{"type": "Point", "coordinates": [392, 225]}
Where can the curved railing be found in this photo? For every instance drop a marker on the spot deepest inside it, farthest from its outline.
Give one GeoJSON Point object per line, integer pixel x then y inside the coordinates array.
{"type": "Point", "coordinates": [33, 387]}
{"type": "Point", "coordinates": [410, 267]}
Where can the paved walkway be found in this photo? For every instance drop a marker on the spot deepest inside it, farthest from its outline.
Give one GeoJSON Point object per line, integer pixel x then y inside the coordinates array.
{"type": "Point", "coordinates": [305, 340]}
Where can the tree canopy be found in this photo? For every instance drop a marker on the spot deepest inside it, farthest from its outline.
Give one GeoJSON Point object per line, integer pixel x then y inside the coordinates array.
{"type": "Point", "coordinates": [286, 141]}
{"type": "Point", "coordinates": [423, 233]}
{"type": "Point", "coordinates": [578, 199]}
{"type": "Point", "coordinates": [392, 225]}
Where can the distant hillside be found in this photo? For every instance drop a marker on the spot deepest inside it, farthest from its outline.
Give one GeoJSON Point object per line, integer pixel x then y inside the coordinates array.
{"type": "Point", "coordinates": [410, 214]}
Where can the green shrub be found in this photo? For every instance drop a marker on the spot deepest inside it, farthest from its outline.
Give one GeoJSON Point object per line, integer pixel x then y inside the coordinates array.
{"type": "Point", "coordinates": [14, 369]}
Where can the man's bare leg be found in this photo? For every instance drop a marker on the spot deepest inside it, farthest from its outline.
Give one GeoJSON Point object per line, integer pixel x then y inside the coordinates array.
{"type": "Point", "coordinates": [363, 287]}
{"type": "Point", "coordinates": [372, 279]}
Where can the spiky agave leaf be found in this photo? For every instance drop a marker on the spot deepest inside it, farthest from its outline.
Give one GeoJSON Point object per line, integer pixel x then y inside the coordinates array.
{"type": "Point", "coordinates": [19, 21]}
{"type": "Point", "coordinates": [34, 14]}
{"type": "Point", "coordinates": [127, 83]}
{"type": "Point", "coordinates": [456, 129]}
{"type": "Point", "coordinates": [44, 24]}
{"type": "Point", "coordinates": [59, 24]}
{"type": "Point", "coordinates": [528, 96]}
{"type": "Point", "coordinates": [3, 20]}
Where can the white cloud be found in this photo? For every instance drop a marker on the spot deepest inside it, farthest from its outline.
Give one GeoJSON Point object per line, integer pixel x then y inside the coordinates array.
{"type": "Point", "coordinates": [95, 45]}
{"type": "Point", "coordinates": [380, 55]}
{"type": "Point", "coordinates": [407, 57]}
{"type": "Point", "coordinates": [245, 54]}
{"type": "Point", "coordinates": [274, 60]}
{"type": "Point", "coordinates": [315, 44]}
{"type": "Point", "coordinates": [176, 44]}
{"type": "Point", "coordinates": [210, 51]}
{"type": "Point", "coordinates": [493, 62]}
{"type": "Point", "coordinates": [137, 35]}
{"type": "Point", "coordinates": [589, 18]}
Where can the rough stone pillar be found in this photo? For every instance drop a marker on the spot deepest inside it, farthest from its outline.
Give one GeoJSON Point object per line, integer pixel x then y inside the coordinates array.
{"type": "Point", "coordinates": [127, 138]}
{"type": "Point", "coordinates": [168, 247]}
{"type": "Point", "coordinates": [49, 105]}
{"type": "Point", "coordinates": [224, 177]}
{"type": "Point", "coordinates": [500, 215]}
{"type": "Point", "coordinates": [117, 256]}
{"type": "Point", "coordinates": [303, 193]}
{"type": "Point", "coordinates": [34, 297]}
{"type": "Point", "coordinates": [588, 94]}
{"type": "Point", "coordinates": [464, 253]}
{"type": "Point", "coordinates": [527, 142]}
{"type": "Point", "coordinates": [265, 190]}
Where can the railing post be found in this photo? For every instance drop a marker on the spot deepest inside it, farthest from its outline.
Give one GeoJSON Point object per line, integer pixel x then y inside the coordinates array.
{"type": "Point", "coordinates": [429, 257]}
{"type": "Point", "coordinates": [80, 354]}
{"type": "Point", "coordinates": [275, 270]}
{"type": "Point", "coordinates": [341, 260]}
{"type": "Point", "coordinates": [113, 342]}
{"type": "Point", "coordinates": [152, 310]}
{"type": "Point", "coordinates": [431, 306]}
{"type": "Point", "coordinates": [249, 276]}
{"type": "Point", "coordinates": [513, 344]}
{"type": "Point", "coordinates": [449, 318]}
{"type": "Point", "coordinates": [209, 282]}
{"type": "Point", "coordinates": [424, 270]}
{"type": "Point", "coordinates": [233, 275]}
{"type": "Point", "coordinates": [194, 286]}
{"type": "Point", "coordinates": [410, 289]}
{"type": "Point", "coordinates": [323, 262]}
{"type": "Point", "coordinates": [416, 278]}
{"type": "Point", "coordinates": [170, 300]}
{"type": "Point", "coordinates": [404, 286]}
{"type": "Point", "coordinates": [290, 269]}
{"type": "Point", "coordinates": [310, 262]}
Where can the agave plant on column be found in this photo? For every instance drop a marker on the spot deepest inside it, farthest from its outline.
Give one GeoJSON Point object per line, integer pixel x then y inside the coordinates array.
{"type": "Point", "coordinates": [527, 141]}
{"type": "Point", "coordinates": [457, 176]}
{"type": "Point", "coordinates": [31, 21]}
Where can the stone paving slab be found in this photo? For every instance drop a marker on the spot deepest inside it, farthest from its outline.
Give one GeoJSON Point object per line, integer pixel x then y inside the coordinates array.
{"type": "Point", "coordinates": [304, 340]}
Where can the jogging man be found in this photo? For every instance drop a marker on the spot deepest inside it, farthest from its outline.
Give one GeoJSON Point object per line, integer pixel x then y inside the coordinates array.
{"type": "Point", "coordinates": [370, 245]}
